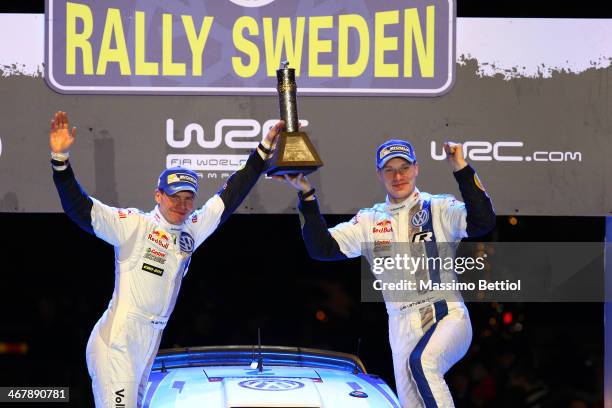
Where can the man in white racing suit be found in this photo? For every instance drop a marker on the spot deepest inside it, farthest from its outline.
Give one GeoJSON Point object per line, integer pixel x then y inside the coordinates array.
{"type": "Point", "coordinates": [429, 336]}
{"type": "Point", "coordinates": [152, 254]}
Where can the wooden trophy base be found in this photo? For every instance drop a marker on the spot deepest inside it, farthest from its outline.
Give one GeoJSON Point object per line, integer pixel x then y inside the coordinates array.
{"type": "Point", "coordinates": [294, 154]}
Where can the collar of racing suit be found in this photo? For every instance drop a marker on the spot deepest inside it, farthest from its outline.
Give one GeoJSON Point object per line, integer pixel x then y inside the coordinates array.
{"type": "Point", "coordinates": [156, 213]}
{"type": "Point", "coordinates": [408, 203]}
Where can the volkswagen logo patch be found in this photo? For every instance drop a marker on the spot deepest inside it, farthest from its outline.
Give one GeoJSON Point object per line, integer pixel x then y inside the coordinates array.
{"type": "Point", "coordinates": [271, 385]}
{"type": "Point", "coordinates": [420, 218]}
{"type": "Point", "coordinates": [186, 242]}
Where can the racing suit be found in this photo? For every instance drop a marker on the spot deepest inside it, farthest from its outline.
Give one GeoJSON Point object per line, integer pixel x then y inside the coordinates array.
{"type": "Point", "coordinates": [151, 259]}
{"type": "Point", "coordinates": [426, 338]}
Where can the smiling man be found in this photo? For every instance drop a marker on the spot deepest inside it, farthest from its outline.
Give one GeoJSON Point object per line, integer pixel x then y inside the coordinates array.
{"type": "Point", "coordinates": [428, 336]}
{"type": "Point", "coordinates": [152, 254]}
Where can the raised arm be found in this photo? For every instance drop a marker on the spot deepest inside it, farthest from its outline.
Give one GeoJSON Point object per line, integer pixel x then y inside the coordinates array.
{"type": "Point", "coordinates": [242, 181]}
{"type": "Point", "coordinates": [323, 244]}
{"type": "Point", "coordinates": [75, 201]}
{"type": "Point", "coordinates": [319, 242]}
{"type": "Point", "coordinates": [480, 216]}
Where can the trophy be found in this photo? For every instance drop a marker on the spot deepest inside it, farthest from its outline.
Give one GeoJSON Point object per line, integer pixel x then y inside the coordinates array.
{"type": "Point", "coordinates": [294, 152]}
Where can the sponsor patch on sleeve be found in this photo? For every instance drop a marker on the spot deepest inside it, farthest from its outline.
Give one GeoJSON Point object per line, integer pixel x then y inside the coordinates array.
{"type": "Point", "coordinates": [122, 214]}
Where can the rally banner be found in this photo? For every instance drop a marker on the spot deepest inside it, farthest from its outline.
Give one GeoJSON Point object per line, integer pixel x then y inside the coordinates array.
{"type": "Point", "coordinates": [340, 47]}
{"type": "Point", "coordinates": [531, 103]}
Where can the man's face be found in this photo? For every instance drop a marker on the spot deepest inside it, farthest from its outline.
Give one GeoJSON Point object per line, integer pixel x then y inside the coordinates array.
{"type": "Point", "coordinates": [399, 178]}
{"type": "Point", "coordinates": [176, 207]}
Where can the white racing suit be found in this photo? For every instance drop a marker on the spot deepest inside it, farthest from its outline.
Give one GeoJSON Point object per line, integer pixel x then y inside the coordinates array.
{"type": "Point", "coordinates": [426, 337]}
{"type": "Point", "coordinates": [151, 259]}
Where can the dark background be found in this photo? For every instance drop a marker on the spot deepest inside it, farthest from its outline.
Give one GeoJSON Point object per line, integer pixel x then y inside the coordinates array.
{"type": "Point", "coordinates": [254, 273]}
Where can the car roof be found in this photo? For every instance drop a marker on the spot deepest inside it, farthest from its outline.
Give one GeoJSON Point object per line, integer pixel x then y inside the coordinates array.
{"type": "Point", "coordinates": [246, 354]}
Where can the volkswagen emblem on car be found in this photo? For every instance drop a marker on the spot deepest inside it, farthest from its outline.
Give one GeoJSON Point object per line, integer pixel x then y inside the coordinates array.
{"type": "Point", "coordinates": [271, 385]}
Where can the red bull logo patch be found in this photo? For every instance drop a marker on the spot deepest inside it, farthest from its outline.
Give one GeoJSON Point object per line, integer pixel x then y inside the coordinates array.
{"type": "Point", "coordinates": [382, 230]}
{"type": "Point", "coordinates": [160, 238]}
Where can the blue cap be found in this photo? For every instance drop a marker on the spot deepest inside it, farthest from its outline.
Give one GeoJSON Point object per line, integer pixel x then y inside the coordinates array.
{"type": "Point", "coordinates": [177, 179]}
{"type": "Point", "coordinates": [394, 148]}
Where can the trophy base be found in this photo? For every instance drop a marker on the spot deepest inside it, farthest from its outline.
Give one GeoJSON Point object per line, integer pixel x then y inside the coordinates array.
{"type": "Point", "coordinates": [294, 154]}
{"type": "Point", "coordinates": [292, 170]}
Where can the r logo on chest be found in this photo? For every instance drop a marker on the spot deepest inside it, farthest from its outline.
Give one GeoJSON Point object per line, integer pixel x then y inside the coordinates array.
{"type": "Point", "coordinates": [425, 236]}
